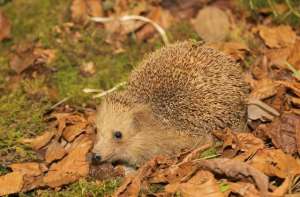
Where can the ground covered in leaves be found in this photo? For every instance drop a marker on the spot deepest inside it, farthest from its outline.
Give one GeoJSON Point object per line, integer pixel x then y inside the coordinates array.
{"type": "Point", "coordinates": [53, 55]}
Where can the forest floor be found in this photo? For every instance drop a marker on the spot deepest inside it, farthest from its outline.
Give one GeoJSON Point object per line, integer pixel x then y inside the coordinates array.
{"type": "Point", "coordinates": [51, 51]}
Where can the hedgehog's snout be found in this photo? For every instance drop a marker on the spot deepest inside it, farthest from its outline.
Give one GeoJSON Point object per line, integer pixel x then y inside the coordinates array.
{"type": "Point", "coordinates": [96, 158]}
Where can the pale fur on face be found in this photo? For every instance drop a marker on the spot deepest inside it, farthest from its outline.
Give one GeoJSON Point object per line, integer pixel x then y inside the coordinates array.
{"type": "Point", "coordinates": [142, 135]}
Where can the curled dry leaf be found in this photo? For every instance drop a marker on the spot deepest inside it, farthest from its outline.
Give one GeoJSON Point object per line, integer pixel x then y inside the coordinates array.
{"type": "Point", "coordinates": [236, 169]}
{"type": "Point", "coordinates": [212, 24]}
{"type": "Point", "coordinates": [202, 183]}
{"type": "Point", "coordinates": [243, 189]}
{"type": "Point", "coordinates": [72, 167]}
{"type": "Point", "coordinates": [5, 27]}
{"type": "Point", "coordinates": [133, 183]}
{"type": "Point", "coordinates": [54, 152]}
{"type": "Point", "coordinates": [284, 132]}
{"type": "Point", "coordinates": [277, 37]}
{"type": "Point", "coordinates": [40, 141]}
{"type": "Point", "coordinates": [72, 131]}
{"type": "Point", "coordinates": [274, 162]}
{"type": "Point", "coordinates": [11, 183]}
{"type": "Point", "coordinates": [246, 144]}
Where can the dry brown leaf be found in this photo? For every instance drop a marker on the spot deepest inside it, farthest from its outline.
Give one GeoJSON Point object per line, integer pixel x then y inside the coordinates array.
{"type": "Point", "coordinates": [32, 174]}
{"type": "Point", "coordinates": [5, 27]}
{"type": "Point", "coordinates": [244, 143]}
{"type": "Point", "coordinates": [212, 24]}
{"type": "Point", "coordinates": [72, 167]}
{"type": "Point", "coordinates": [22, 58]}
{"type": "Point", "coordinates": [87, 69]}
{"type": "Point", "coordinates": [264, 88]}
{"type": "Point", "coordinates": [82, 9]}
{"type": "Point", "coordinates": [237, 50]}
{"type": "Point", "coordinates": [11, 183]}
{"type": "Point", "coordinates": [65, 119]}
{"type": "Point", "coordinates": [279, 56]}
{"type": "Point", "coordinates": [277, 37]}
{"type": "Point", "coordinates": [258, 110]}
{"type": "Point", "coordinates": [39, 141]}
{"type": "Point", "coordinates": [202, 183]}
{"type": "Point", "coordinates": [54, 152]}
{"type": "Point", "coordinates": [243, 189]}
{"type": "Point", "coordinates": [294, 57]}
{"type": "Point", "coordinates": [132, 184]}
{"type": "Point", "coordinates": [236, 169]}
{"type": "Point", "coordinates": [30, 168]}
{"type": "Point", "coordinates": [72, 131]}
{"type": "Point", "coordinates": [284, 132]}
{"type": "Point", "coordinates": [294, 86]}
{"type": "Point", "coordinates": [274, 162]}
{"type": "Point", "coordinates": [44, 55]}
{"type": "Point", "coordinates": [158, 15]}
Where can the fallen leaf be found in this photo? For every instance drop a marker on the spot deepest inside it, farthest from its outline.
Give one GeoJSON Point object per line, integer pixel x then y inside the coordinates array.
{"type": "Point", "coordinates": [236, 50]}
{"type": "Point", "coordinates": [5, 27]}
{"type": "Point", "coordinates": [264, 88]}
{"type": "Point", "coordinates": [72, 131]}
{"type": "Point", "coordinates": [29, 168]}
{"type": "Point", "coordinates": [87, 69]}
{"type": "Point", "coordinates": [132, 184]}
{"type": "Point", "coordinates": [242, 145]}
{"type": "Point", "coordinates": [54, 152]}
{"type": "Point", "coordinates": [158, 15]}
{"type": "Point", "coordinates": [243, 189]}
{"type": "Point", "coordinates": [237, 170]}
{"type": "Point", "coordinates": [284, 132]}
{"type": "Point", "coordinates": [23, 57]}
{"type": "Point", "coordinates": [202, 183]}
{"type": "Point", "coordinates": [277, 37]}
{"type": "Point", "coordinates": [11, 183]}
{"type": "Point", "coordinates": [274, 162]}
{"type": "Point", "coordinates": [82, 9]}
{"type": "Point", "coordinates": [44, 55]}
{"type": "Point", "coordinates": [294, 57]}
{"type": "Point", "coordinates": [39, 141]}
{"type": "Point", "coordinates": [278, 57]}
{"type": "Point", "coordinates": [294, 86]}
{"type": "Point", "coordinates": [258, 110]}
{"type": "Point", "coordinates": [211, 24]}
{"type": "Point", "coordinates": [72, 167]}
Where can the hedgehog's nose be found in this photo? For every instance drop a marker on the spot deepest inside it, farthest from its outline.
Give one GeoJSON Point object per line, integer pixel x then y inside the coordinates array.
{"type": "Point", "coordinates": [96, 159]}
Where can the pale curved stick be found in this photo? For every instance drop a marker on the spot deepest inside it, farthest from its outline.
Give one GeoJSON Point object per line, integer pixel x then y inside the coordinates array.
{"type": "Point", "coordinates": [160, 30]}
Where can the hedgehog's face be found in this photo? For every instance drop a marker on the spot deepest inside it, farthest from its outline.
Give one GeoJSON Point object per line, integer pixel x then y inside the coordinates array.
{"type": "Point", "coordinates": [119, 134]}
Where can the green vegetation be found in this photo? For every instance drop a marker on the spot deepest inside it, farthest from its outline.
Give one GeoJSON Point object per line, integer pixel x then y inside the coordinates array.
{"type": "Point", "coordinates": [283, 11]}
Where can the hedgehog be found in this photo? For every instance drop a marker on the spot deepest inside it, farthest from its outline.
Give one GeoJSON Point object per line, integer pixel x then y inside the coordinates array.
{"type": "Point", "coordinates": [174, 99]}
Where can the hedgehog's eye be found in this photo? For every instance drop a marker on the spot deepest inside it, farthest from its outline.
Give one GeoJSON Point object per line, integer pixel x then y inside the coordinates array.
{"type": "Point", "coordinates": [118, 135]}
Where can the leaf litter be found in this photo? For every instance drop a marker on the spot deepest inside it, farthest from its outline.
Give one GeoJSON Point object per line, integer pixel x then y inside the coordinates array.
{"type": "Point", "coordinates": [263, 162]}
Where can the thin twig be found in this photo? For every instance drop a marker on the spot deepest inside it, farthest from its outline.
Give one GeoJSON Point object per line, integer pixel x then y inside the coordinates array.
{"type": "Point", "coordinates": [160, 30]}
{"type": "Point", "coordinates": [108, 91]}
{"type": "Point", "coordinates": [59, 103]}
{"type": "Point", "coordinates": [295, 12]}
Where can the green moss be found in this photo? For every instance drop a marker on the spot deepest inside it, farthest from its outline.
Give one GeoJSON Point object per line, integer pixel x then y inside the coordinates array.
{"type": "Point", "coordinates": [291, 16]}
{"type": "Point", "coordinates": [84, 188]}
{"type": "Point", "coordinates": [19, 117]}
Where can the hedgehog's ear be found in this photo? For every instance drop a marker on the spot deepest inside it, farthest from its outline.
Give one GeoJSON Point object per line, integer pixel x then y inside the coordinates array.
{"type": "Point", "coordinates": [142, 115]}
